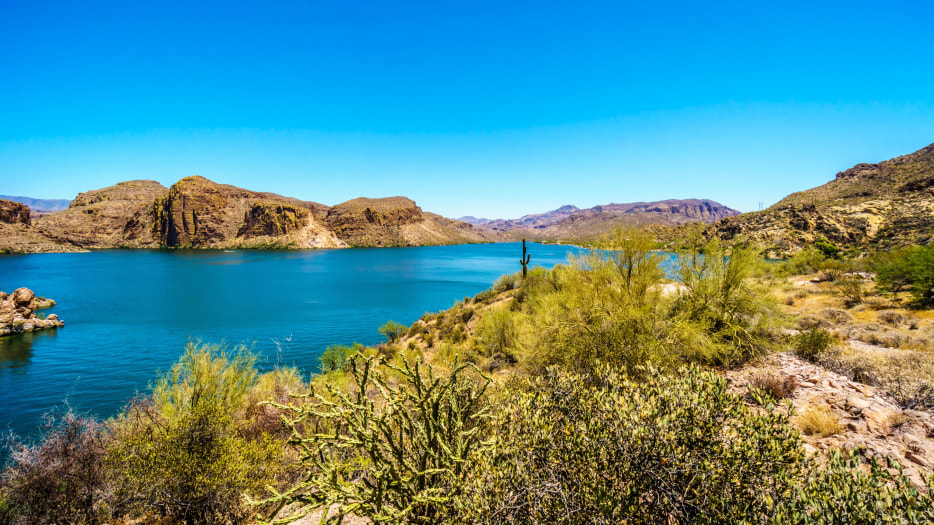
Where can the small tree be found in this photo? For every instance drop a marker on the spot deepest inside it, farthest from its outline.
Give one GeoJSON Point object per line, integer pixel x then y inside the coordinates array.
{"type": "Point", "coordinates": [392, 331]}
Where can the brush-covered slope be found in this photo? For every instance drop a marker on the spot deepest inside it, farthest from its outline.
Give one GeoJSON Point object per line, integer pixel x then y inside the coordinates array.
{"type": "Point", "coordinates": [869, 205]}
{"type": "Point", "coordinates": [396, 221]}
{"type": "Point", "coordinates": [116, 216]}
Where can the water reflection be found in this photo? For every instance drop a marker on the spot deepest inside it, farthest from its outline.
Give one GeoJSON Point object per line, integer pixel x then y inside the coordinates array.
{"type": "Point", "coordinates": [16, 350]}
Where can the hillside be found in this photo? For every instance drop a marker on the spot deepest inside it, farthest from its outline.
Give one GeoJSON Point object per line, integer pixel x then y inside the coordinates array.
{"type": "Point", "coordinates": [869, 205]}
{"type": "Point", "coordinates": [198, 213]}
{"type": "Point", "coordinates": [571, 223]}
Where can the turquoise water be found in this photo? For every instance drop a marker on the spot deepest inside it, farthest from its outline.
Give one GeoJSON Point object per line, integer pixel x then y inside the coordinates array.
{"type": "Point", "coordinates": [130, 313]}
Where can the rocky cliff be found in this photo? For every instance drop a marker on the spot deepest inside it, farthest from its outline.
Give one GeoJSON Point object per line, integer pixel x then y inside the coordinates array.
{"type": "Point", "coordinates": [869, 205]}
{"type": "Point", "coordinates": [14, 212]}
{"type": "Point", "coordinates": [197, 212]}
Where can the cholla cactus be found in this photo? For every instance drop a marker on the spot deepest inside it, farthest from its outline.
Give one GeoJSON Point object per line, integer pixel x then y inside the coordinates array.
{"type": "Point", "coordinates": [394, 451]}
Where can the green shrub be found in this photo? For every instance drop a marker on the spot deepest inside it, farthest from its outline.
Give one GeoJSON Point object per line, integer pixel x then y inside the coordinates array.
{"type": "Point", "coordinates": [497, 337]}
{"type": "Point", "coordinates": [908, 267]}
{"type": "Point", "coordinates": [827, 249]}
{"type": "Point", "coordinates": [812, 344]}
{"type": "Point", "coordinates": [392, 331]}
{"type": "Point", "coordinates": [394, 454]}
{"type": "Point", "coordinates": [182, 453]}
{"type": "Point", "coordinates": [603, 448]}
{"type": "Point", "coordinates": [842, 492]}
{"type": "Point", "coordinates": [804, 262]}
{"type": "Point", "coordinates": [337, 357]}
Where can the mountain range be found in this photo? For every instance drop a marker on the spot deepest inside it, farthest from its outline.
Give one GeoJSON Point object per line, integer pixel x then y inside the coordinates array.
{"type": "Point", "coordinates": [881, 205]}
{"type": "Point", "coordinates": [572, 223]}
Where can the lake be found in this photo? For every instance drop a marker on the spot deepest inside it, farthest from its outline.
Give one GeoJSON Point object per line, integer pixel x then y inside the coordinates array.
{"type": "Point", "coordinates": [129, 313]}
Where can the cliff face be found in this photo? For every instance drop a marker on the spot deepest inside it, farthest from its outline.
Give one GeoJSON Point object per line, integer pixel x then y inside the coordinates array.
{"type": "Point", "coordinates": [14, 212]}
{"type": "Point", "coordinates": [869, 205]}
{"type": "Point", "coordinates": [197, 212]}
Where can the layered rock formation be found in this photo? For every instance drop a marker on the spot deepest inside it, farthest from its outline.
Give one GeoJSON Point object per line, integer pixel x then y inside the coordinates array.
{"type": "Point", "coordinates": [18, 312]}
{"type": "Point", "coordinates": [869, 205]}
{"type": "Point", "coordinates": [197, 212]}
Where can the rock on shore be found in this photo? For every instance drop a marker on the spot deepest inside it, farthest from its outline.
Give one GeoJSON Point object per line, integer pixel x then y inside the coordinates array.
{"type": "Point", "coordinates": [18, 312]}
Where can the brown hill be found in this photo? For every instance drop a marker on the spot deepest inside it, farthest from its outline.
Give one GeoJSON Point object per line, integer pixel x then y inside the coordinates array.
{"type": "Point", "coordinates": [397, 221]}
{"type": "Point", "coordinates": [869, 205]}
{"type": "Point", "coordinates": [116, 216]}
{"type": "Point", "coordinates": [196, 212]}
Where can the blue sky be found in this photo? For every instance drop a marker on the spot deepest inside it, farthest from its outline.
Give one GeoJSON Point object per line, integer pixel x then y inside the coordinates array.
{"type": "Point", "coordinates": [492, 109]}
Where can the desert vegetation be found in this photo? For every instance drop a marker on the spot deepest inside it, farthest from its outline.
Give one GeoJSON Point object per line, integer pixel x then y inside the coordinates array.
{"type": "Point", "coordinates": [595, 392]}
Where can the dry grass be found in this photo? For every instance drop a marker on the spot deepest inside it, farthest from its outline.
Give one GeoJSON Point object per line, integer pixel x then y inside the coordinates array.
{"type": "Point", "coordinates": [819, 420]}
{"type": "Point", "coordinates": [908, 375]}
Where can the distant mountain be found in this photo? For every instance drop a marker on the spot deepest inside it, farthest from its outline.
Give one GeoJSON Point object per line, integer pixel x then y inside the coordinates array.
{"type": "Point", "coordinates": [198, 213]}
{"type": "Point", "coordinates": [570, 222]}
{"type": "Point", "coordinates": [869, 205]}
{"type": "Point", "coordinates": [39, 207]}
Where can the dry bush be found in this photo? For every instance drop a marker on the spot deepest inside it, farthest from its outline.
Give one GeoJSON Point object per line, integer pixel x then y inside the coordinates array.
{"type": "Point", "coordinates": [877, 303]}
{"type": "Point", "coordinates": [774, 386]}
{"type": "Point", "coordinates": [808, 322]}
{"type": "Point", "coordinates": [908, 375]}
{"type": "Point", "coordinates": [837, 316]}
{"type": "Point", "coordinates": [892, 317]}
{"type": "Point", "coordinates": [819, 420]}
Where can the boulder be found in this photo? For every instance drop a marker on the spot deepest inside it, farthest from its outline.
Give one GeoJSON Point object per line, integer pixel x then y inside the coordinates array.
{"type": "Point", "coordinates": [23, 297]}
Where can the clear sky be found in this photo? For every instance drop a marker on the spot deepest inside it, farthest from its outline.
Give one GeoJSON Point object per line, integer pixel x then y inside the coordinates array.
{"type": "Point", "coordinates": [493, 109]}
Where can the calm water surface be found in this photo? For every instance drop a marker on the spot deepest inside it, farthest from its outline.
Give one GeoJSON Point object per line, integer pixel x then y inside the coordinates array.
{"type": "Point", "coordinates": [130, 313]}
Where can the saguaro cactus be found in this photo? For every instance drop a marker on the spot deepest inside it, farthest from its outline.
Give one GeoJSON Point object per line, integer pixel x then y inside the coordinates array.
{"type": "Point", "coordinates": [524, 261]}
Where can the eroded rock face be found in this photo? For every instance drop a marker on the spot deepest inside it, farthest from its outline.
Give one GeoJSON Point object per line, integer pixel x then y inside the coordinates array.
{"type": "Point", "coordinates": [197, 212]}
{"type": "Point", "coordinates": [17, 312]}
{"type": "Point", "coordinates": [14, 212]}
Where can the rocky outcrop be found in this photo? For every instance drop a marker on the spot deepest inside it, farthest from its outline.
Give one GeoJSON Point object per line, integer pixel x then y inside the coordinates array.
{"type": "Point", "coordinates": [18, 312]}
{"type": "Point", "coordinates": [13, 212]}
{"type": "Point", "coordinates": [396, 221]}
{"type": "Point", "coordinates": [882, 205]}
{"type": "Point", "coordinates": [197, 212]}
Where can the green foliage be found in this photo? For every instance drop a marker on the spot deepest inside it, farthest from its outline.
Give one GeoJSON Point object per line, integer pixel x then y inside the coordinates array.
{"type": "Point", "coordinates": [497, 336]}
{"type": "Point", "coordinates": [827, 249]}
{"type": "Point", "coordinates": [394, 454]}
{"type": "Point", "coordinates": [183, 454]}
{"type": "Point", "coordinates": [908, 267]}
{"type": "Point", "coordinates": [842, 492]}
{"type": "Point", "coordinates": [604, 448]}
{"type": "Point", "coordinates": [392, 331]}
{"type": "Point", "coordinates": [734, 318]}
{"type": "Point", "coordinates": [337, 357]}
{"type": "Point", "coordinates": [812, 344]}
{"type": "Point", "coordinates": [804, 262]}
